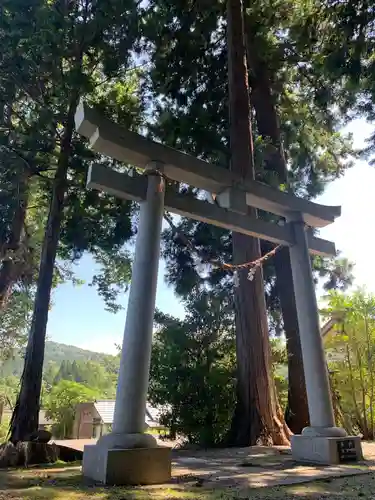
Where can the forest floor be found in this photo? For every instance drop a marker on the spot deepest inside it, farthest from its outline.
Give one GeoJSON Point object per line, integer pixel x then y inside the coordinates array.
{"type": "Point", "coordinates": [211, 475]}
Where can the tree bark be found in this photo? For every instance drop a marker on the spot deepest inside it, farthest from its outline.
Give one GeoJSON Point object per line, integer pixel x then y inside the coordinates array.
{"type": "Point", "coordinates": [297, 410]}
{"type": "Point", "coordinates": [370, 369]}
{"type": "Point", "coordinates": [24, 420]}
{"type": "Point", "coordinates": [255, 419]}
{"type": "Point", "coordinates": [340, 416]}
{"type": "Point", "coordinates": [11, 270]}
{"type": "Point", "coordinates": [297, 413]}
{"type": "Point", "coordinates": [353, 391]}
{"type": "Point", "coordinates": [366, 431]}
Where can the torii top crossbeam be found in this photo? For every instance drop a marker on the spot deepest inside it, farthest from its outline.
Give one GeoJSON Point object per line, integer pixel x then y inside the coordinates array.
{"type": "Point", "coordinates": [123, 145]}
{"type": "Point", "coordinates": [235, 195]}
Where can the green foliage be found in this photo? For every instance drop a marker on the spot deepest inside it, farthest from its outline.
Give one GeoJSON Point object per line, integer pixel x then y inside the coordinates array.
{"type": "Point", "coordinates": [4, 426]}
{"type": "Point", "coordinates": [55, 354]}
{"type": "Point", "coordinates": [193, 369]}
{"type": "Point", "coordinates": [8, 391]}
{"type": "Point", "coordinates": [63, 52]}
{"type": "Point", "coordinates": [318, 60]}
{"type": "Point", "coordinates": [279, 359]}
{"type": "Point", "coordinates": [61, 405]}
{"type": "Point", "coordinates": [91, 374]}
{"type": "Point", "coordinates": [197, 93]}
{"type": "Point", "coordinates": [279, 353]}
{"type": "Point", "coordinates": [351, 355]}
{"type": "Point", "coordinates": [281, 384]}
{"type": "Point", "coordinates": [192, 372]}
{"type": "Point", "coordinates": [337, 274]}
{"type": "Point", "coordinates": [340, 49]}
{"type": "Point", "coordinates": [14, 321]}
{"type": "Point", "coordinates": [44, 69]}
{"type": "Point", "coordinates": [191, 113]}
{"type": "Point", "coordinates": [96, 371]}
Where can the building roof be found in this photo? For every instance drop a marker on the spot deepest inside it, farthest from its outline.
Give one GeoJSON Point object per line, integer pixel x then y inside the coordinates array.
{"type": "Point", "coordinates": [327, 330]}
{"type": "Point", "coordinates": [106, 409]}
{"type": "Point", "coordinates": [43, 420]}
{"type": "Point", "coordinates": [329, 325]}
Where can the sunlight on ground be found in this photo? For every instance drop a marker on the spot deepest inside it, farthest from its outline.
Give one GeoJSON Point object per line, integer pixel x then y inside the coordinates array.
{"type": "Point", "coordinates": [67, 484]}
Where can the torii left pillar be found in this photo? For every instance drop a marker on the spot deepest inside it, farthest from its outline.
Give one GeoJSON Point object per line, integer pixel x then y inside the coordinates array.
{"type": "Point", "coordinates": [128, 455]}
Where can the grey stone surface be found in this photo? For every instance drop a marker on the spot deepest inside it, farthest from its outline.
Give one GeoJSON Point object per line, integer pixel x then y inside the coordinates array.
{"type": "Point", "coordinates": [140, 440]}
{"type": "Point", "coordinates": [314, 361]}
{"type": "Point", "coordinates": [324, 431]}
{"type": "Point", "coordinates": [124, 145]}
{"type": "Point", "coordinates": [323, 450]}
{"type": "Point", "coordinates": [134, 188]}
{"type": "Point", "coordinates": [127, 455]}
{"type": "Point", "coordinates": [133, 378]}
{"type": "Point", "coordinates": [137, 466]}
{"type": "Point", "coordinates": [315, 440]}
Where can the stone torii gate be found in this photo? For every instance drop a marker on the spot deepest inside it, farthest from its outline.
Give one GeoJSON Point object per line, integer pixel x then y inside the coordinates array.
{"type": "Point", "coordinates": [128, 455]}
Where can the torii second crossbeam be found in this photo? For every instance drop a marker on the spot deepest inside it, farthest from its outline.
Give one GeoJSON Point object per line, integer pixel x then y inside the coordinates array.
{"type": "Point", "coordinates": [134, 188]}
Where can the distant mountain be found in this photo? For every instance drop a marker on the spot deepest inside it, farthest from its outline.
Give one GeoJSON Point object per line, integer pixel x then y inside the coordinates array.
{"type": "Point", "coordinates": [54, 353]}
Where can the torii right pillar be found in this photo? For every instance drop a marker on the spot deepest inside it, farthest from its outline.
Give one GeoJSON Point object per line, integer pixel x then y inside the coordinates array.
{"type": "Point", "coordinates": [322, 442]}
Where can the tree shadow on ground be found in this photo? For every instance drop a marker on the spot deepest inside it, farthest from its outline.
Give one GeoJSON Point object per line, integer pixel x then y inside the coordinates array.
{"type": "Point", "coordinates": [68, 484]}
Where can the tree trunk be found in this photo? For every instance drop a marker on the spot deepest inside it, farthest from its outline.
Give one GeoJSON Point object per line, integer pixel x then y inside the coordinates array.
{"type": "Point", "coordinates": [209, 439]}
{"type": "Point", "coordinates": [353, 391]}
{"type": "Point", "coordinates": [340, 416]}
{"type": "Point", "coordinates": [297, 413]}
{"type": "Point", "coordinates": [11, 269]}
{"type": "Point", "coordinates": [370, 369]}
{"type": "Point", "coordinates": [255, 419]}
{"type": "Point", "coordinates": [363, 391]}
{"type": "Point", "coordinates": [24, 420]}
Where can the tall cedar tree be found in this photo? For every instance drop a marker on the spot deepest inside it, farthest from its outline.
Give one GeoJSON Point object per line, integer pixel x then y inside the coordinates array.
{"type": "Point", "coordinates": [13, 187]}
{"type": "Point", "coordinates": [193, 116]}
{"type": "Point", "coordinates": [73, 47]}
{"type": "Point", "coordinates": [256, 415]}
{"type": "Point", "coordinates": [268, 127]}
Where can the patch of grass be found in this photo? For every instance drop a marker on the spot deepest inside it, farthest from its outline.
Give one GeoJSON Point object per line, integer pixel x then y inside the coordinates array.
{"type": "Point", "coordinates": [58, 465]}
{"type": "Point", "coordinates": [156, 432]}
{"type": "Point", "coordinates": [67, 484]}
{"type": "Point", "coordinates": [353, 487]}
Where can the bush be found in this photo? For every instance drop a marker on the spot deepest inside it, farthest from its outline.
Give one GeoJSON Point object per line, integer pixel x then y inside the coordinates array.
{"type": "Point", "coordinates": [193, 372]}
{"type": "Point", "coordinates": [4, 427]}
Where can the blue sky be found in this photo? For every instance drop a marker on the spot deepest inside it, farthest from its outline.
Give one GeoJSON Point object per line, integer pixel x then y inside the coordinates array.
{"type": "Point", "coordinates": [78, 316]}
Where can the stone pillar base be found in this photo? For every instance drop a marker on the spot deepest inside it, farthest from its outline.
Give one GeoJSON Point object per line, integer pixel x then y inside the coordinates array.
{"type": "Point", "coordinates": [326, 450]}
{"type": "Point", "coordinates": [137, 466]}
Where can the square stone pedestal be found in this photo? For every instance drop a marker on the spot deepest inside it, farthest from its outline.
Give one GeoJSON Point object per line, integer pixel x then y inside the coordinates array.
{"type": "Point", "coordinates": [136, 466]}
{"type": "Point", "coordinates": [327, 450]}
